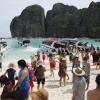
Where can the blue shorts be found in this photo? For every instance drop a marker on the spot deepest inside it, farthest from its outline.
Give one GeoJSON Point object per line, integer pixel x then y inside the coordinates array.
{"type": "Point", "coordinates": [87, 78]}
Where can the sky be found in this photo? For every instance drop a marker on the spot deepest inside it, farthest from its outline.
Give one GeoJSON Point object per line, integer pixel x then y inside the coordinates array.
{"type": "Point", "coordinates": [11, 8]}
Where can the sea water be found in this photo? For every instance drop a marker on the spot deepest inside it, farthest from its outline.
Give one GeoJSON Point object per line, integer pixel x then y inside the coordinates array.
{"type": "Point", "coordinates": [15, 51]}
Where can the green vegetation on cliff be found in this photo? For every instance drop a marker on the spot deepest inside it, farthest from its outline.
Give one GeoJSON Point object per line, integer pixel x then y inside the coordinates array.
{"type": "Point", "coordinates": [61, 21]}
{"type": "Point", "coordinates": [31, 22]}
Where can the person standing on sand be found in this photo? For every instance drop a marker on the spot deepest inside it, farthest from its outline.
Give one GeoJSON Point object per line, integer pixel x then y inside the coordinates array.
{"type": "Point", "coordinates": [31, 78]}
{"type": "Point", "coordinates": [76, 63]}
{"type": "Point", "coordinates": [79, 84]}
{"type": "Point", "coordinates": [86, 68]}
{"type": "Point", "coordinates": [40, 74]}
{"type": "Point", "coordinates": [52, 64]}
{"type": "Point", "coordinates": [11, 73]}
{"type": "Point", "coordinates": [21, 90]}
{"type": "Point", "coordinates": [1, 58]}
{"type": "Point", "coordinates": [23, 79]}
{"type": "Point", "coordinates": [43, 56]}
{"type": "Point", "coordinates": [33, 61]}
{"type": "Point", "coordinates": [95, 94]}
{"type": "Point", "coordinates": [62, 71]}
{"type": "Point", "coordinates": [98, 60]}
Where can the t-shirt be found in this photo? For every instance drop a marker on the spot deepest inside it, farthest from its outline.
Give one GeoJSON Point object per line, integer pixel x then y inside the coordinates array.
{"type": "Point", "coordinates": [79, 88]}
{"type": "Point", "coordinates": [40, 72]}
{"type": "Point", "coordinates": [11, 72]}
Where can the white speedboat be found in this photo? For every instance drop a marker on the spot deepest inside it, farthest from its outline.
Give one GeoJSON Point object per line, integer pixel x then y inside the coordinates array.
{"type": "Point", "coordinates": [24, 43]}
{"type": "Point", "coordinates": [3, 46]}
{"type": "Point", "coordinates": [82, 45]}
{"type": "Point", "coordinates": [51, 46]}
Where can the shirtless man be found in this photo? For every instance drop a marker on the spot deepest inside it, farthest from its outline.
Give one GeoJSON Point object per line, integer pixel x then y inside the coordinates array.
{"type": "Point", "coordinates": [95, 94]}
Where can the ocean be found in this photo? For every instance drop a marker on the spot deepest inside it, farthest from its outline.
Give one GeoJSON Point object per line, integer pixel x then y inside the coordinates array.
{"type": "Point", "coordinates": [17, 52]}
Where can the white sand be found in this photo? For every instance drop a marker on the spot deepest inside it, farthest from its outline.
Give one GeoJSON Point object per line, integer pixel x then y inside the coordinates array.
{"type": "Point", "coordinates": [52, 84]}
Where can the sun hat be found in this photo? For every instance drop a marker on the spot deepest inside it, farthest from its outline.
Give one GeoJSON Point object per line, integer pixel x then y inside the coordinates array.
{"type": "Point", "coordinates": [78, 71]}
{"type": "Point", "coordinates": [42, 94]}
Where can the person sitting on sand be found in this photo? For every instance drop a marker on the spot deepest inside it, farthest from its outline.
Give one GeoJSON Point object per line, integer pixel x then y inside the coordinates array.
{"type": "Point", "coordinates": [40, 74]}
{"type": "Point", "coordinates": [79, 84]}
{"type": "Point", "coordinates": [11, 73]}
{"type": "Point", "coordinates": [95, 94]}
{"type": "Point", "coordinates": [41, 94]}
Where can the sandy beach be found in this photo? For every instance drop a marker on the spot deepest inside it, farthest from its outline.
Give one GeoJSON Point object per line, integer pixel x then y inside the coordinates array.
{"type": "Point", "coordinates": [52, 83]}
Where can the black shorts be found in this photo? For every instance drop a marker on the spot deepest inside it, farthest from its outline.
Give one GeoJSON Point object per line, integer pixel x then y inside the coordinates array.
{"type": "Point", "coordinates": [40, 80]}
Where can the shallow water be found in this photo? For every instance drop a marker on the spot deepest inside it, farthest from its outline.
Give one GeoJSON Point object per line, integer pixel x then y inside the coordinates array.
{"type": "Point", "coordinates": [17, 52]}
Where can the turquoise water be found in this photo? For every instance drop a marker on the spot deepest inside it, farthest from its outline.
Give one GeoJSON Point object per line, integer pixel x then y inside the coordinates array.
{"type": "Point", "coordinates": [17, 52]}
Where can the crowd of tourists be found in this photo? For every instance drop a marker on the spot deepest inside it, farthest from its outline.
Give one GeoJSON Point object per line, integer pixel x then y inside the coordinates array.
{"type": "Point", "coordinates": [19, 87]}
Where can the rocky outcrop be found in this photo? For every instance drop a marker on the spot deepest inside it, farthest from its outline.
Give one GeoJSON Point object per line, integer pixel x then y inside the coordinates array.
{"type": "Point", "coordinates": [31, 22]}
{"type": "Point", "coordinates": [61, 21]}
{"type": "Point", "coordinates": [68, 21]}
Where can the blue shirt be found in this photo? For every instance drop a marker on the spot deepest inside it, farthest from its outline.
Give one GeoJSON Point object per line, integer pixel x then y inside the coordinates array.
{"type": "Point", "coordinates": [24, 87]}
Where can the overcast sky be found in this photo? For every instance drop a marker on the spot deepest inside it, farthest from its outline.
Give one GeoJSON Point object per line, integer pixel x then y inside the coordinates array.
{"type": "Point", "coordinates": [11, 8]}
